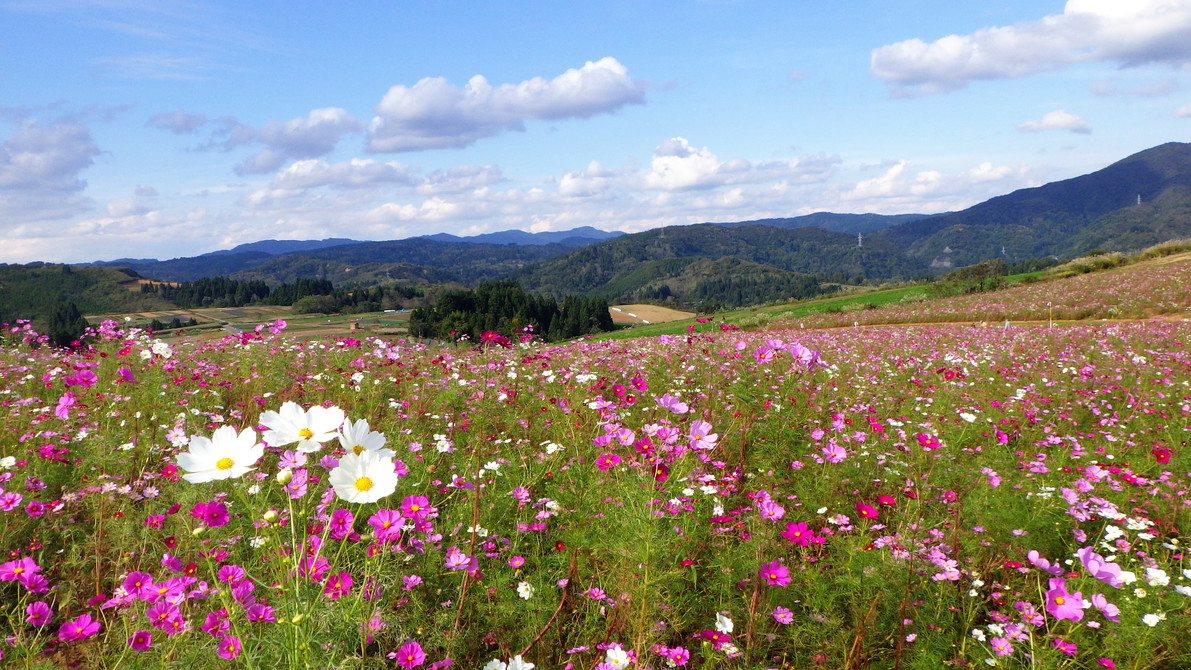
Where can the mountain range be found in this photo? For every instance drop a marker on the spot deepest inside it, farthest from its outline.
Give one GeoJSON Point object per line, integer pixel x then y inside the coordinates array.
{"type": "Point", "coordinates": [1138, 201]}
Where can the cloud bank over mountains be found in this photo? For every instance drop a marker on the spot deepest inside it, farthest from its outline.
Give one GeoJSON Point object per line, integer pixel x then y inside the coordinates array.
{"type": "Point", "coordinates": [1124, 32]}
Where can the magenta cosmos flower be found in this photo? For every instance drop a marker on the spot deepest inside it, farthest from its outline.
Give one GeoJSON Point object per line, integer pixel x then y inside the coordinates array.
{"type": "Point", "coordinates": [1061, 604]}
{"type": "Point", "coordinates": [797, 533]}
{"type": "Point", "coordinates": [775, 574]}
{"type": "Point", "coordinates": [78, 629]}
{"type": "Point", "coordinates": [229, 647]}
{"type": "Point", "coordinates": [410, 655]}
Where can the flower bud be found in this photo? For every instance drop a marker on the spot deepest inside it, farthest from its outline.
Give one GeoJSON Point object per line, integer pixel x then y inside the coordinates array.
{"type": "Point", "coordinates": [284, 475]}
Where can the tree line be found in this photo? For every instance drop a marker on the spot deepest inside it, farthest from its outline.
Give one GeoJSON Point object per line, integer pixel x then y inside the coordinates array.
{"type": "Point", "coordinates": [305, 295]}
{"type": "Point", "coordinates": [504, 307]}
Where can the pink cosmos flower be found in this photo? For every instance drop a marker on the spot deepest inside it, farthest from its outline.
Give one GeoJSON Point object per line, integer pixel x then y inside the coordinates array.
{"type": "Point", "coordinates": [701, 436]}
{"type": "Point", "coordinates": [410, 655]}
{"type": "Point", "coordinates": [338, 585]}
{"type": "Point", "coordinates": [775, 574]}
{"type": "Point", "coordinates": [62, 410]}
{"type": "Point", "coordinates": [771, 510]}
{"type": "Point", "coordinates": [783, 615]}
{"type": "Point", "coordinates": [1110, 611]}
{"type": "Point", "coordinates": [797, 533]}
{"type": "Point", "coordinates": [1001, 646]}
{"type": "Point", "coordinates": [1068, 648]}
{"type": "Point", "coordinates": [671, 403]}
{"type": "Point", "coordinates": [78, 629]}
{"type": "Point", "coordinates": [341, 524]}
{"type": "Point", "coordinates": [18, 569]}
{"type": "Point", "coordinates": [607, 461]}
{"type": "Point", "coordinates": [833, 452]}
{"type": "Point", "coordinates": [415, 507]}
{"type": "Point", "coordinates": [39, 613]}
{"type": "Point", "coordinates": [866, 511]}
{"type": "Point", "coordinates": [677, 656]}
{"type": "Point", "coordinates": [1105, 571]}
{"type": "Point", "coordinates": [229, 647]}
{"type": "Point", "coordinates": [386, 525]}
{"type": "Point", "coordinates": [140, 640]}
{"type": "Point", "coordinates": [1061, 604]}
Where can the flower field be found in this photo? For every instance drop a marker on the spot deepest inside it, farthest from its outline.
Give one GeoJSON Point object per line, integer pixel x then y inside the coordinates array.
{"type": "Point", "coordinates": [1131, 292]}
{"type": "Point", "coordinates": [883, 497]}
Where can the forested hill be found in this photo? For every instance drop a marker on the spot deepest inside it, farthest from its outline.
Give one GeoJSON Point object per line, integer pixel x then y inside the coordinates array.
{"type": "Point", "coordinates": [1065, 218]}
{"type": "Point", "coordinates": [616, 266]}
{"type": "Point", "coordinates": [34, 291]}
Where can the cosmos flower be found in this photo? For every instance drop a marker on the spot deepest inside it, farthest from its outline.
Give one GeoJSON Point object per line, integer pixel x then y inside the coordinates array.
{"type": "Point", "coordinates": [226, 455]}
{"type": "Point", "coordinates": [358, 436]}
{"type": "Point", "coordinates": [775, 574]}
{"type": "Point", "coordinates": [308, 428]}
{"type": "Point", "coordinates": [410, 655]}
{"type": "Point", "coordinates": [363, 478]}
{"type": "Point", "coordinates": [1061, 604]}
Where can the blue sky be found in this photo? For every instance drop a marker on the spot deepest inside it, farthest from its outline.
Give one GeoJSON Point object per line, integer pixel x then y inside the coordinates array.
{"type": "Point", "coordinates": [166, 128]}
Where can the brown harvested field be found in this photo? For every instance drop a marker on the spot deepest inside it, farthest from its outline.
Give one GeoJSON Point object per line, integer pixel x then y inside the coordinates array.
{"type": "Point", "coordinates": [646, 314]}
{"type": "Point", "coordinates": [136, 284]}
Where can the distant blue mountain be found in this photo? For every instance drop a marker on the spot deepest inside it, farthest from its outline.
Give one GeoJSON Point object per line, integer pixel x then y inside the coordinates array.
{"type": "Point", "coordinates": [278, 247]}
{"type": "Point", "coordinates": [581, 236]}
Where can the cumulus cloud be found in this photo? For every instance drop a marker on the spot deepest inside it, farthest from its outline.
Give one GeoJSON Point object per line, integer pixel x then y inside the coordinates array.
{"type": "Point", "coordinates": [177, 122]}
{"type": "Point", "coordinates": [1127, 33]}
{"type": "Point", "coordinates": [1056, 120]}
{"type": "Point", "coordinates": [309, 137]}
{"type": "Point", "coordinates": [928, 191]}
{"type": "Point", "coordinates": [676, 166]}
{"type": "Point", "coordinates": [460, 178]}
{"type": "Point", "coordinates": [40, 168]}
{"type": "Point", "coordinates": [434, 114]}
{"type": "Point", "coordinates": [356, 173]}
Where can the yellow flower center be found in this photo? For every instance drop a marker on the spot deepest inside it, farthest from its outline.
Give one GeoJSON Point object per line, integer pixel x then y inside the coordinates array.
{"type": "Point", "coordinates": [363, 484]}
{"type": "Point", "coordinates": [1059, 600]}
{"type": "Point", "coordinates": [414, 508]}
{"type": "Point", "coordinates": [306, 433]}
{"type": "Point", "coordinates": [224, 463]}
{"type": "Point", "coordinates": [357, 449]}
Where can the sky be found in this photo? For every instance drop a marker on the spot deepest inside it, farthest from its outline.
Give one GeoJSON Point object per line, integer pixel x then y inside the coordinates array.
{"type": "Point", "coordinates": [170, 128]}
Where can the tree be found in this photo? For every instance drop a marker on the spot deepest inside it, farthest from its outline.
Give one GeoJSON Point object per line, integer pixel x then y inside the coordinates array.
{"type": "Point", "coordinates": [67, 325]}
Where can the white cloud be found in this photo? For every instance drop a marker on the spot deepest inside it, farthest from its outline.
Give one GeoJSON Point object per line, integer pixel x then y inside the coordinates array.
{"type": "Point", "coordinates": [435, 114]}
{"type": "Point", "coordinates": [40, 168]}
{"type": "Point", "coordinates": [898, 190]}
{"type": "Point", "coordinates": [1183, 112]}
{"type": "Point", "coordinates": [177, 121]}
{"type": "Point", "coordinates": [309, 137]}
{"type": "Point", "coordinates": [1056, 120]}
{"type": "Point", "coordinates": [460, 178]}
{"type": "Point", "coordinates": [356, 173]}
{"type": "Point", "coordinates": [676, 165]}
{"type": "Point", "coordinates": [1126, 32]}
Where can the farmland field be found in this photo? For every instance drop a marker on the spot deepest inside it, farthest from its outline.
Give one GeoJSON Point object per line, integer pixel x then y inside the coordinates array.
{"type": "Point", "coordinates": [914, 496]}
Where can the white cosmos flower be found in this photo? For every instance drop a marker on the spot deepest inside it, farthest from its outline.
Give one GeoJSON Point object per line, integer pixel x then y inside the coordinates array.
{"type": "Point", "coordinates": [308, 428]}
{"type": "Point", "coordinates": [363, 478]}
{"type": "Point", "coordinates": [225, 456]}
{"type": "Point", "coordinates": [525, 590]}
{"type": "Point", "coordinates": [358, 436]}
{"type": "Point", "coordinates": [617, 657]}
{"type": "Point", "coordinates": [518, 663]}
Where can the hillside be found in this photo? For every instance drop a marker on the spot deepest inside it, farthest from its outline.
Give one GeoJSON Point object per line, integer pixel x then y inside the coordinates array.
{"type": "Point", "coordinates": [1065, 218]}
{"type": "Point", "coordinates": [840, 223]}
{"type": "Point", "coordinates": [616, 269]}
{"type": "Point", "coordinates": [33, 291]}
